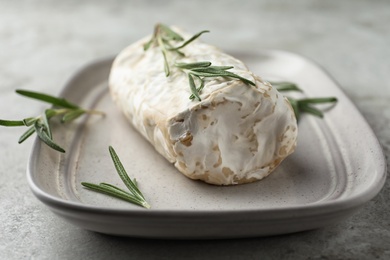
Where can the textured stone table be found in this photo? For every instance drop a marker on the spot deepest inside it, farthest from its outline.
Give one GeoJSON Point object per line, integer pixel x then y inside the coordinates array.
{"type": "Point", "coordinates": [42, 43]}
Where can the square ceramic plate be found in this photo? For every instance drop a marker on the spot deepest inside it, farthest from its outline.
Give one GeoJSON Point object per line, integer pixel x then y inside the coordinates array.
{"type": "Point", "coordinates": [337, 167]}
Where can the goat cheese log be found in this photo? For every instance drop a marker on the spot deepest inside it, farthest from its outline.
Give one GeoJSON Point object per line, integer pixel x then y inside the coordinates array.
{"type": "Point", "coordinates": [236, 134]}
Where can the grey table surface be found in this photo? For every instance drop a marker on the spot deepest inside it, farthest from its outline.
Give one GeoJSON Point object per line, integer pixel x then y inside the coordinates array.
{"type": "Point", "coordinates": [42, 43]}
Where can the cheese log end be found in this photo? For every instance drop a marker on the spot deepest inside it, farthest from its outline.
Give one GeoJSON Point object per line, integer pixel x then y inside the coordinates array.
{"type": "Point", "coordinates": [239, 134]}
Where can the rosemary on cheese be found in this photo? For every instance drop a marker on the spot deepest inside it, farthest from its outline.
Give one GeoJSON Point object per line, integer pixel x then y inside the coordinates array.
{"type": "Point", "coordinates": [164, 37]}
{"type": "Point", "coordinates": [204, 69]}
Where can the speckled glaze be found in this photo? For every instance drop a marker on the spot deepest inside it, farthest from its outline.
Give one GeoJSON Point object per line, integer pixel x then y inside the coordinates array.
{"type": "Point", "coordinates": [325, 181]}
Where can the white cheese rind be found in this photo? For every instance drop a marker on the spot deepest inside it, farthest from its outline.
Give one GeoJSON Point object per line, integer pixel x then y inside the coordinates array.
{"type": "Point", "coordinates": [237, 134]}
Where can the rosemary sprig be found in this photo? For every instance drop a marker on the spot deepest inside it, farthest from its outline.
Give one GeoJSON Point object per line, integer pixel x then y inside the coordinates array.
{"type": "Point", "coordinates": [304, 105]}
{"type": "Point", "coordinates": [41, 124]}
{"type": "Point", "coordinates": [135, 196]}
{"type": "Point", "coordinates": [164, 37]}
{"type": "Point", "coordinates": [204, 69]}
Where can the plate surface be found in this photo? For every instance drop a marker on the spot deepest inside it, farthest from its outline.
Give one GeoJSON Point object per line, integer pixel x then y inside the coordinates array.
{"type": "Point", "coordinates": [337, 167]}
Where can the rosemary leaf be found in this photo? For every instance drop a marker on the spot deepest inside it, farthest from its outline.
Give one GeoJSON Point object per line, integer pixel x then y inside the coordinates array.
{"type": "Point", "coordinates": [72, 115]}
{"type": "Point", "coordinates": [11, 122]}
{"type": "Point", "coordinates": [221, 67]}
{"type": "Point", "coordinates": [189, 41]}
{"type": "Point", "coordinates": [148, 44]}
{"type": "Point", "coordinates": [47, 98]}
{"type": "Point", "coordinates": [43, 135]}
{"type": "Point", "coordinates": [318, 100]}
{"type": "Point", "coordinates": [286, 86]}
{"type": "Point", "coordinates": [27, 134]}
{"type": "Point", "coordinates": [168, 33]}
{"type": "Point", "coordinates": [30, 121]}
{"type": "Point", "coordinates": [192, 97]}
{"type": "Point", "coordinates": [53, 112]}
{"type": "Point", "coordinates": [45, 120]}
{"type": "Point", "coordinates": [193, 65]}
{"type": "Point", "coordinates": [166, 65]}
{"type": "Point", "coordinates": [122, 173]}
{"type": "Point", "coordinates": [110, 186]}
{"type": "Point", "coordinates": [193, 88]}
{"type": "Point", "coordinates": [114, 193]}
{"type": "Point", "coordinates": [311, 110]}
{"type": "Point", "coordinates": [203, 72]}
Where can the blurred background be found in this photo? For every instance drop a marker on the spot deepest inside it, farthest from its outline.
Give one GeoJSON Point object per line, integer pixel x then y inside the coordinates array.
{"type": "Point", "coordinates": [43, 43]}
